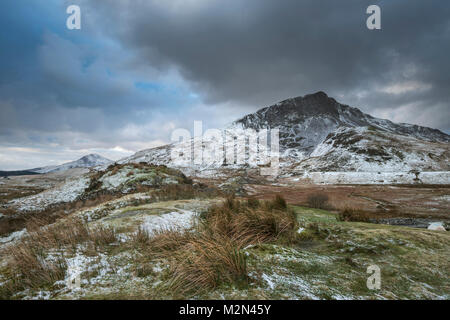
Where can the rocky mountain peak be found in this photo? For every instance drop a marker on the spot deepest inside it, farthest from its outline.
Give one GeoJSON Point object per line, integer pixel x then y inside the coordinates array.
{"type": "Point", "coordinates": [293, 111]}
{"type": "Point", "coordinates": [93, 158]}
{"type": "Point", "coordinates": [316, 132]}
{"type": "Point", "coordinates": [306, 121]}
{"type": "Point", "coordinates": [88, 161]}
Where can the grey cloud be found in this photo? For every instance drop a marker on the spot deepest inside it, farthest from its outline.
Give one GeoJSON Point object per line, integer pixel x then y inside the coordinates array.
{"type": "Point", "coordinates": [76, 90]}
{"type": "Point", "coordinates": [261, 51]}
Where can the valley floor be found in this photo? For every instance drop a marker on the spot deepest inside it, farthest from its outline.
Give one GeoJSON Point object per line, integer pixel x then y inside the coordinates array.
{"type": "Point", "coordinates": [329, 260]}
{"type": "Point", "coordinates": [137, 231]}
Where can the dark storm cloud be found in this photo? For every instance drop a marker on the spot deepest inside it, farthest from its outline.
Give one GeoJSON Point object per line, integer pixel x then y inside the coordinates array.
{"type": "Point", "coordinates": [261, 51]}
{"type": "Point", "coordinates": [68, 92]}
{"type": "Point", "coordinates": [139, 68]}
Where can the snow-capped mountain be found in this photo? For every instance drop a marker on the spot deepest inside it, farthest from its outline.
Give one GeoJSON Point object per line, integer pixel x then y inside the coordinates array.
{"type": "Point", "coordinates": [366, 149]}
{"type": "Point", "coordinates": [89, 161]}
{"type": "Point", "coordinates": [305, 122]}
{"type": "Point", "coordinates": [319, 134]}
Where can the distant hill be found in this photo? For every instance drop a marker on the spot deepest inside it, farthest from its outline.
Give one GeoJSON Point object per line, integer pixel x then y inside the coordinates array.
{"type": "Point", "coordinates": [17, 173]}
{"type": "Point", "coordinates": [317, 133]}
{"type": "Point", "coordinates": [89, 161]}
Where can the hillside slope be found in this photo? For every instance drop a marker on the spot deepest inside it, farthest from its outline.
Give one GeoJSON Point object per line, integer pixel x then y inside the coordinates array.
{"type": "Point", "coordinates": [319, 134]}
{"type": "Point", "coordinates": [88, 161]}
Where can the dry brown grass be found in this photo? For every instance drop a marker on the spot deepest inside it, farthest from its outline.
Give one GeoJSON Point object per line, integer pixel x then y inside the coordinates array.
{"type": "Point", "coordinates": [159, 243]}
{"type": "Point", "coordinates": [350, 213]}
{"type": "Point", "coordinates": [206, 262]}
{"type": "Point", "coordinates": [28, 268]}
{"type": "Point", "coordinates": [212, 255]}
{"type": "Point", "coordinates": [17, 221]}
{"type": "Point", "coordinates": [185, 191]}
{"type": "Point", "coordinates": [253, 203]}
{"type": "Point", "coordinates": [140, 238]}
{"type": "Point", "coordinates": [279, 203]}
{"type": "Point", "coordinates": [318, 200]}
{"type": "Point", "coordinates": [28, 265]}
{"type": "Point", "coordinates": [10, 193]}
{"type": "Point", "coordinates": [355, 215]}
{"type": "Point", "coordinates": [68, 233]}
{"type": "Point", "coordinates": [14, 221]}
{"type": "Point", "coordinates": [257, 223]}
{"type": "Point", "coordinates": [11, 223]}
{"type": "Point", "coordinates": [169, 240]}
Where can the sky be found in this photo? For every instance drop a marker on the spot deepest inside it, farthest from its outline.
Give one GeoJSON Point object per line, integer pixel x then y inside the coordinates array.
{"type": "Point", "coordinates": [139, 69]}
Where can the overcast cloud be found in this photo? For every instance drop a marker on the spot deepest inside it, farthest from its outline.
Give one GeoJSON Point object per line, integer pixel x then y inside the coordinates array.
{"type": "Point", "coordinates": [138, 69]}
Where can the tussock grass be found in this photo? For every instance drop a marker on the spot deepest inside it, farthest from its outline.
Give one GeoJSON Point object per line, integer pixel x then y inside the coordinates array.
{"type": "Point", "coordinates": [15, 221]}
{"type": "Point", "coordinates": [349, 213]}
{"type": "Point", "coordinates": [185, 191]}
{"type": "Point", "coordinates": [199, 260]}
{"type": "Point", "coordinates": [140, 238]}
{"type": "Point", "coordinates": [253, 203]}
{"type": "Point", "coordinates": [28, 269]}
{"type": "Point", "coordinates": [355, 215]}
{"type": "Point", "coordinates": [206, 262]}
{"type": "Point", "coordinates": [257, 223]}
{"type": "Point", "coordinates": [212, 255]}
{"type": "Point", "coordinates": [38, 261]}
{"type": "Point", "coordinates": [165, 241]}
{"type": "Point", "coordinates": [10, 193]}
{"type": "Point", "coordinates": [67, 233]}
{"type": "Point", "coordinates": [318, 200]}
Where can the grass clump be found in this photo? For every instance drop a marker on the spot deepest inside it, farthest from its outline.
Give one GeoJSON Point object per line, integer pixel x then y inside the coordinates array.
{"type": "Point", "coordinates": [206, 262]}
{"type": "Point", "coordinates": [318, 200]}
{"type": "Point", "coordinates": [185, 191]}
{"type": "Point", "coordinates": [67, 233]}
{"type": "Point", "coordinates": [253, 203]}
{"type": "Point", "coordinates": [354, 215]}
{"type": "Point", "coordinates": [38, 260]}
{"type": "Point", "coordinates": [140, 238]}
{"type": "Point", "coordinates": [213, 254]}
{"type": "Point", "coordinates": [261, 222]}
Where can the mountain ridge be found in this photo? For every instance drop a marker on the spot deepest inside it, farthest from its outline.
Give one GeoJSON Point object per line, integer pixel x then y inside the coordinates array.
{"type": "Point", "coordinates": [294, 111]}
{"type": "Point", "coordinates": [87, 161]}
{"type": "Point", "coordinates": [318, 133]}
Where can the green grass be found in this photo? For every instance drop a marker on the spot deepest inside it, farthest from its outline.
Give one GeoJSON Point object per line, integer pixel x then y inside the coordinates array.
{"type": "Point", "coordinates": [328, 261]}
{"type": "Point", "coordinates": [331, 260]}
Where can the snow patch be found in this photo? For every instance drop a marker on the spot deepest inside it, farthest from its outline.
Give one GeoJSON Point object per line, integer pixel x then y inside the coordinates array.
{"type": "Point", "coordinates": [13, 236]}
{"type": "Point", "coordinates": [68, 192]}
{"type": "Point", "coordinates": [301, 286]}
{"type": "Point", "coordinates": [436, 226]}
{"type": "Point", "coordinates": [376, 177]}
{"type": "Point", "coordinates": [173, 221]}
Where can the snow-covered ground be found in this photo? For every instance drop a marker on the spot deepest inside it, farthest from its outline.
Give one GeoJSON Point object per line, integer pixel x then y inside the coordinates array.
{"type": "Point", "coordinates": [374, 178]}
{"type": "Point", "coordinates": [13, 236]}
{"type": "Point", "coordinates": [169, 221]}
{"type": "Point", "coordinates": [316, 134]}
{"type": "Point", "coordinates": [89, 161]}
{"type": "Point", "coordinates": [114, 181]}
{"type": "Point", "coordinates": [67, 192]}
